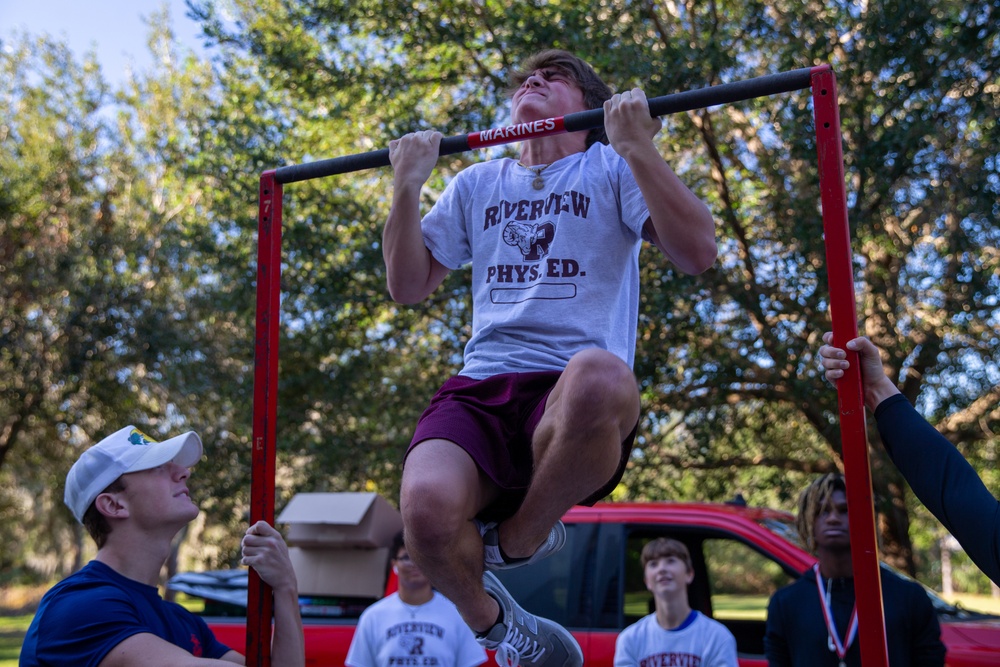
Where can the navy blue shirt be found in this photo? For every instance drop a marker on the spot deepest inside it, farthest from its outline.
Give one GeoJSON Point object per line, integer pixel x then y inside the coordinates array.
{"type": "Point", "coordinates": [796, 634]}
{"type": "Point", "coordinates": [943, 481]}
{"type": "Point", "coordinates": [84, 616]}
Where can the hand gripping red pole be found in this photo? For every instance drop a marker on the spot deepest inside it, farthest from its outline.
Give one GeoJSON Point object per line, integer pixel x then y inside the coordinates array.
{"type": "Point", "coordinates": [843, 310]}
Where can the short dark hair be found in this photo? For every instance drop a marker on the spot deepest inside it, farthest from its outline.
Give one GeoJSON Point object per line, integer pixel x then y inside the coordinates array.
{"type": "Point", "coordinates": [812, 500]}
{"type": "Point", "coordinates": [663, 547]}
{"type": "Point", "coordinates": [397, 544]}
{"type": "Point", "coordinates": [95, 522]}
{"type": "Point", "coordinates": [595, 91]}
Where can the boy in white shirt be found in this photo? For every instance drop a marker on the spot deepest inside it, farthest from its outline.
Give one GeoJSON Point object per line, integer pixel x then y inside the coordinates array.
{"type": "Point", "coordinates": [674, 634]}
{"type": "Point", "coordinates": [414, 625]}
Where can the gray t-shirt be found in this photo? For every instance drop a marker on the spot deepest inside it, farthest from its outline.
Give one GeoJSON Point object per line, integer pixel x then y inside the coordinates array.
{"type": "Point", "coordinates": [554, 271]}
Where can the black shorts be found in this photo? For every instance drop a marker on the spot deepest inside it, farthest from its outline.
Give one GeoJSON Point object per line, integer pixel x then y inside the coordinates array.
{"type": "Point", "coordinates": [494, 420]}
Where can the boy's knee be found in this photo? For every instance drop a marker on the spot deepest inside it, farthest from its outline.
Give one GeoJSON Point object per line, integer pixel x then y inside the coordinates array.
{"type": "Point", "coordinates": [596, 365]}
{"type": "Point", "coordinates": [601, 382]}
{"type": "Point", "coordinates": [429, 513]}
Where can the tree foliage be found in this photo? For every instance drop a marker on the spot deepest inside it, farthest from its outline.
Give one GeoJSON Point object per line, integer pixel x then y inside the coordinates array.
{"type": "Point", "coordinates": [727, 360]}
{"type": "Point", "coordinates": [162, 304]}
{"type": "Point", "coordinates": [103, 306]}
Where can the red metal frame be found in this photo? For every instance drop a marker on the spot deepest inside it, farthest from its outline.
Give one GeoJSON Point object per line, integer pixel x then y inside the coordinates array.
{"type": "Point", "coordinates": [260, 602]}
{"type": "Point", "coordinates": [868, 587]}
{"type": "Point", "coordinates": [843, 312]}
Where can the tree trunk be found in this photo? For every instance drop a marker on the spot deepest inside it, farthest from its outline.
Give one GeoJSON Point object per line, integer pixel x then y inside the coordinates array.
{"type": "Point", "coordinates": [890, 506]}
{"type": "Point", "coordinates": [947, 588]}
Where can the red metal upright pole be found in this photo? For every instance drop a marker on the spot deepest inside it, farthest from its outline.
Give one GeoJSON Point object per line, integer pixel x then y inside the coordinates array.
{"type": "Point", "coordinates": [843, 311]}
{"type": "Point", "coordinates": [260, 602]}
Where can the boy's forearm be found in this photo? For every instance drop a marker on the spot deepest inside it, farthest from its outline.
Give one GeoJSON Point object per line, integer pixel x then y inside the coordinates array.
{"type": "Point", "coordinates": [288, 645]}
{"type": "Point", "coordinates": [407, 260]}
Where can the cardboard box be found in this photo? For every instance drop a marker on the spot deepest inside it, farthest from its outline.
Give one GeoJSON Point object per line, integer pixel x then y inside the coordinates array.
{"type": "Point", "coordinates": [340, 520]}
{"type": "Point", "coordinates": [340, 572]}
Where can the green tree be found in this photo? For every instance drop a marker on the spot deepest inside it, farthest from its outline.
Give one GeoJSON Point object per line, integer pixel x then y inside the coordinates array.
{"type": "Point", "coordinates": [726, 360]}
{"type": "Point", "coordinates": [102, 306]}
{"type": "Point", "coordinates": [58, 270]}
{"type": "Point", "coordinates": [127, 261]}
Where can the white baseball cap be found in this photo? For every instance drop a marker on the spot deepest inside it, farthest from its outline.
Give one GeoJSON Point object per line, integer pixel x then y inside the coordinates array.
{"type": "Point", "coordinates": [126, 450]}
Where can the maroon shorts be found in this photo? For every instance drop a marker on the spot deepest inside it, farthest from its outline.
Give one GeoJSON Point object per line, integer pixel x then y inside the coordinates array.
{"type": "Point", "coordinates": [493, 420]}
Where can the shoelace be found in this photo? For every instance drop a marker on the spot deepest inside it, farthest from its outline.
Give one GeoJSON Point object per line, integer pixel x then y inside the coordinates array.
{"type": "Point", "coordinates": [507, 656]}
{"type": "Point", "coordinates": [515, 645]}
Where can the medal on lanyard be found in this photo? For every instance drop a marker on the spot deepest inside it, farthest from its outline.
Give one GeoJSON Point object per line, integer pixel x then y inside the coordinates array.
{"type": "Point", "coordinates": [832, 636]}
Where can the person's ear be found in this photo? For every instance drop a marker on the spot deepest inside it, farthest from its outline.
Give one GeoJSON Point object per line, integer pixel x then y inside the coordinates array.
{"type": "Point", "coordinates": [395, 570]}
{"type": "Point", "coordinates": [111, 506]}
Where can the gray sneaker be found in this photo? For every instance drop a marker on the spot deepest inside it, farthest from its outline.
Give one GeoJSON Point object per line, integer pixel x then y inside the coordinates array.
{"type": "Point", "coordinates": [524, 639]}
{"type": "Point", "coordinates": [491, 542]}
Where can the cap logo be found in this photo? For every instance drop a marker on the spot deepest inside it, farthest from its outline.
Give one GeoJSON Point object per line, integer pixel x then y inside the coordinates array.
{"type": "Point", "coordinates": [137, 437]}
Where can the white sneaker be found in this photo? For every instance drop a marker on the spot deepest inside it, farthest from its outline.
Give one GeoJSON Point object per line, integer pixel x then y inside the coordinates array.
{"type": "Point", "coordinates": [491, 542]}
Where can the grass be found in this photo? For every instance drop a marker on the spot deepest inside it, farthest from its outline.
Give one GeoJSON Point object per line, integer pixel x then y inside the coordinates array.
{"type": "Point", "coordinates": [743, 607]}
{"type": "Point", "coordinates": [754, 607]}
{"type": "Point", "coordinates": [12, 629]}
{"type": "Point", "coordinates": [740, 607]}
{"type": "Point", "coordinates": [985, 603]}
{"type": "Point", "coordinates": [196, 605]}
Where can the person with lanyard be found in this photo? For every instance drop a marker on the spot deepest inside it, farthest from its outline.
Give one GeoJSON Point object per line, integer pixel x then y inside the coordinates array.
{"type": "Point", "coordinates": [416, 625]}
{"type": "Point", "coordinates": [674, 634]}
{"type": "Point", "coordinates": [544, 411]}
{"type": "Point", "coordinates": [933, 467]}
{"type": "Point", "coordinates": [813, 622]}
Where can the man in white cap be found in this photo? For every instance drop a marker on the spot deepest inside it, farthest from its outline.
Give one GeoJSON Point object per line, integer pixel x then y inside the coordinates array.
{"type": "Point", "coordinates": [131, 494]}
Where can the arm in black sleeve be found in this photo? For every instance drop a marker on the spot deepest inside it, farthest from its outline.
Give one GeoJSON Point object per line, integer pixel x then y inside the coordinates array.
{"type": "Point", "coordinates": [943, 481]}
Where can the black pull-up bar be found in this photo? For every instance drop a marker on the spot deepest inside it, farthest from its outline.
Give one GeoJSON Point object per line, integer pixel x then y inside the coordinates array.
{"type": "Point", "coordinates": [771, 84]}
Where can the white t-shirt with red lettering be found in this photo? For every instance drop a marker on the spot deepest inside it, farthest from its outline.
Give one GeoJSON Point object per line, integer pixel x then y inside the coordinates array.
{"type": "Point", "coordinates": [699, 642]}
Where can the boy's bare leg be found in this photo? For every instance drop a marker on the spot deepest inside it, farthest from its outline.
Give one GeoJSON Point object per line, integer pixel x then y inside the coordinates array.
{"type": "Point", "coordinates": [441, 493]}
{"type": "Point", "coordinates": [577, 445]}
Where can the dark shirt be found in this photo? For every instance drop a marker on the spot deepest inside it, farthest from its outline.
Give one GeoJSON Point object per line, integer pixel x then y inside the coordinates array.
{"type": "Point", "coordinates": [797, 635]}
{"type": "Point", "coordinates": [943, 481]}
{"type": "Point", "coordinates": [84, 616]}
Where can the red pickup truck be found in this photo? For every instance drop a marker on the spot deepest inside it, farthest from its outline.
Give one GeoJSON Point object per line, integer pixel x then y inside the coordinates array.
{"type": "Point", "coordinates": [594, 586]}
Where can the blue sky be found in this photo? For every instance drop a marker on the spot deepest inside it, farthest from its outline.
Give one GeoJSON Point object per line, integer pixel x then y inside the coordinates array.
{"type": "Point", "coordinates": [113, 28]}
